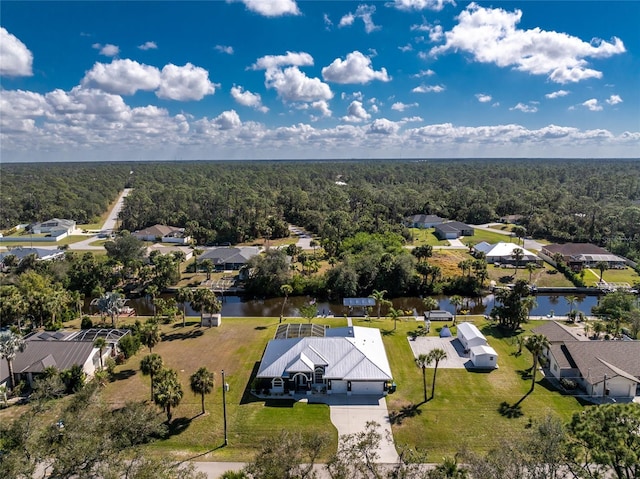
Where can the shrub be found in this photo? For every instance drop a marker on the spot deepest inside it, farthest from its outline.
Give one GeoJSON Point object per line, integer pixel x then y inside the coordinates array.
{"type": "Point", "coordinates": [129, 345]}
{"type": "Point", "coordinates": [568, 384]}
{"type": "Point", "coordinates": [86, 323]}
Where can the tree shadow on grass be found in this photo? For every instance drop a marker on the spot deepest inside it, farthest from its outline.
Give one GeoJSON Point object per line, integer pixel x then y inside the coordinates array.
{"type": "Point", "coordinates": [195, 333]}
{"type": "Point", "coordinates": [524, 373]}
{"type": "Point", "coordinates": [122, 375]}
{"type": "Point", "coordinates": [510, 411]}
{"type": "Point", "coordinates": [178, 425]}
{"type": "Point", "coordinates": [186, 324]}
{"type": "Point", "coordinates": [387, 332]}
{"type": "Point", "coordinates": [410, 410]}
{"type": "Point", "coordinates": [260, 328]}
{"type": "Point", "coordinates": [247, 397]}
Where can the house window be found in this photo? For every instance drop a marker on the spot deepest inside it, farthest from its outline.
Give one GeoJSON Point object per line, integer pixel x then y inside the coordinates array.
{"type": "Point", "coordinates": [277, 382]}
{"type": "Point", "coordinates": [555, 367]}
{"type": "Point", "coordinates": [490, 358]}
{"type": "Point", "coordinates": [318, 374]}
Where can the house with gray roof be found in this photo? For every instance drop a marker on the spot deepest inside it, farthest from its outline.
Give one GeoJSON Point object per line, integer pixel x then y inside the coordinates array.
{"type": "Point", "coordinates": [453, 230]}
{"type": "Point", "coordinates": [349, 360]}
{"type": "Point", "coordinates": [423, 221]}
{"type": "Point", "coordinates": [600, 368]}
{"type": "Point", "coordinates": [227, 258]}
{"type": "Point", "coordinates": [53, 225]}
{"type": "Point", "coordinates": [583, 255]}
{"type": "Point", "coordinates": [62, 350]}
{"type": "Point", "coordinates": [163, 234]}
{"type": "Point", "coordinates": [41, 254]}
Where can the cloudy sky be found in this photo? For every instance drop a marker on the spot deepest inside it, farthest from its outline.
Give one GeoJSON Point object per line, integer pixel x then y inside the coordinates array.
{"type": "Point", "coordinates": [318, 79]}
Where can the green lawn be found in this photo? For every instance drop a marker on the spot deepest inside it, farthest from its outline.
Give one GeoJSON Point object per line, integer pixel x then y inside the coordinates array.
{"type": "Point", "coordinates": [547, 276]}
{"type": "Point", "coordinates": [422, 236]}
{"type": "Point", "coordinates": [627, 275]}
{"type": "Point", "coordinates": [25, 241]}
{"type": "Point", "coordinates": [465, 411]}
{"type": "Point", "coordinates": [489, 237]}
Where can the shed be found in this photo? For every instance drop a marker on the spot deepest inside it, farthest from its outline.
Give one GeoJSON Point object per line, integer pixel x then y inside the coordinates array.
{"type": "Point", "coordinates": [470, 336]}
{"type": "Point", "coordinates": [445, 332]}
{"type": "Point", "coordinates": [484, 357]}
{"type": "Point", "coordinates": [438, 315]}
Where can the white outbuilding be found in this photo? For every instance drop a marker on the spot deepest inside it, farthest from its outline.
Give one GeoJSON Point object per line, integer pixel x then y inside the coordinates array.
{"type": "Point", "coordinates": [469, 335]}
{"type": "Point", "coordinates": [483, 357]}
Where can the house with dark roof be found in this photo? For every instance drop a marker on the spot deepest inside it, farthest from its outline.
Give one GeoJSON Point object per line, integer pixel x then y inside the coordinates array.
{"type": "Point", "coordinates": [62, 350]}
{"type": "Point", "coordinates": [227, 258]}
{"type": "Point", "coordinates": [452, 230]}
{"type": "Point", "coordinates": [163, 233]}
{"type": "Point", "coordinates": [600, 368]}
{"type": "Point", "coordinates": [423, 221]}
{"type": "Point", "coordinates": [583, 255]}
{"type": "Point", "coordinates": [350, 360]}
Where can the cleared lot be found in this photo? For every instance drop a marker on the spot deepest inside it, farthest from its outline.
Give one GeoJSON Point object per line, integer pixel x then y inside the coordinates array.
{"type": "Point", "coordinates": [456, 358]}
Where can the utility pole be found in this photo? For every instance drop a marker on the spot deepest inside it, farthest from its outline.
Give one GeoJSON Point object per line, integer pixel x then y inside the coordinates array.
{"type": "Point", "coordinates": [224, 407]}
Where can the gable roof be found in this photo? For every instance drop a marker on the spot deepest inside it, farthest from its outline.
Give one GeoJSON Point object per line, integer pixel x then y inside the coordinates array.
{"type": "Point", "coordinates": [58, 223]}
{"type": "Point", "coordinates": [41, 253]}
{"type": "Point", "coordinates": [483, 349]}
{"type": "Point", "coordinates": [351, 353]}
{"type": "Point", "coordinates": [505, 250]}
{"type": "Point", "coordinates": [158, 230]}
{"type": "Point", "coordinates": [594, 359]}
{"type": "Point", "coordinates": [573, 249]}
{"type": "Point", "coordinates": [470, 331]}
{"type": "Point", "coordinates": [433, 219]}
{"type": "Point", "coordinates": [452, 226]}
{"type": "Point", "coordinates": [555, 332]}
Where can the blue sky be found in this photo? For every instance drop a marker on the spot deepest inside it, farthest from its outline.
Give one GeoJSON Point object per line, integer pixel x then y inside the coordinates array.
{"type": "Point", "coordinates": [101, 81]}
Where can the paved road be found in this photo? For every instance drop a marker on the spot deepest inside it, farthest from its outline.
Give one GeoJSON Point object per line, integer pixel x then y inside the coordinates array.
{"type": "Point", "coordinates": [529, 244]}
{"type": "Point", "coordinates": [110, 223]}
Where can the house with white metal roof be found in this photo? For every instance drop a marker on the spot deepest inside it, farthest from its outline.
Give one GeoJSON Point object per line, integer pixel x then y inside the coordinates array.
{"type": "Point", "coordinates": [350, 360]}
{"type": "Point", "coordinates": [502, 253]}
{"type": "Point", "coordinates": [474, 342]}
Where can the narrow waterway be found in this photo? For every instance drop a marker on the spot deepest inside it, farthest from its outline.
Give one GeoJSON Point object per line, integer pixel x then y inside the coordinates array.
{"type": "Point", "coordinates": [237, 306]}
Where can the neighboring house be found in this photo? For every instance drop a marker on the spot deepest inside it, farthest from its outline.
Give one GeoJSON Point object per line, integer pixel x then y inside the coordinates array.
{"type": "Point", "coordinates": [54, 225]}
{"type": "Point", "coordinates": [515, 219]}
{"type": "Point", "coordinates": [583, 255]}
{"type": "Point", "coordinates": [600, 368]}
{"type": "Point", "coordinates": [62, 350]}
{"type": "Point", "coordinates": [350, 360]}
{"type": "Point", "coordinates": [229, 258]}
{"type": "Point", "coordinates": [42, 254]}
{"type": "Point", "coordinates": [188, 252]}
{"type": "Point", "coordinates": [452, 230]}
{"type": "Point", "coordinates": [163, 233]}
{"type": "Point", "coordinates": [438, 315]}
{"type": "Point", "coordinates": [481, 354]}
{"type": "Point", "coordinates": [502, 253]}
{"type": "Point", "coordinates": [423, 221]}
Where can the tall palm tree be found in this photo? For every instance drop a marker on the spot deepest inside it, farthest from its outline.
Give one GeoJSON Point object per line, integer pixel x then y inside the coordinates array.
{"type": "Point", "coordinates": [10, 345]}
{"type": "Point", "coordinates": [150, 366]}
{"type": "Point", "coordinates": [536, 344]}
{"type": "Point", "coordinates": [378, 296]}
{"type": "Point", "coordinates": [435, 356]}
{"type": "Point", "coordinates": [167, 391]}
{"type": "Point", "coordinates": [207, 264]}
{"type": "Point", "coordinates": [184, 295]}
{"type": "Point", "coordinates": [110, 304]}
{"type": "Point", "coordinates": [100, 343]}
{"type": "Point", "coordinates": [394, 314]}
{"type": "Point", "coordinates": [202, 382]}
{"type": "Point", "coordinates": [206, 301]}
{"type": "Point", "coordinates": [422, 361]}
{"type": "Point", "coordinates": [286, 290]}
{"type": "Point", "coordinates": [517, 254]}
{"type": "Point", "coordinates": [528, 303]}
{"type": "Point", "coordinates": [571, 300]}
{"type": "Point", "coordinates": [456, 301]}
{"type": "Point", "coordinates": [530, 267]}
{"type": "Point", "coordinates": [150, 336]}
{"type": "Point", "coordinates": [430, 303]}
{"type": "Point", "coordinates": [152, 291]}
{"type": "Point", "coordinates": [602, 266]}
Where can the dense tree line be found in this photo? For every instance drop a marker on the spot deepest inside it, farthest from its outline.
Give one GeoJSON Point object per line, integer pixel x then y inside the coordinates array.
{"type": "Point", "coordinates": [563, 200]}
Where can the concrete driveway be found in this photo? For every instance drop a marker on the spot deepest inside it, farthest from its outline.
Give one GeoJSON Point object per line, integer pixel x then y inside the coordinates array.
{"type": "Point", "coordinates": [350, 414]}
{"type": "Point", "coordinates": [456, 358]}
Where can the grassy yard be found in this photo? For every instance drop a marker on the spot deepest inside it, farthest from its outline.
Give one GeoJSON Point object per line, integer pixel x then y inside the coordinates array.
{"type": "Point", "coordinates": [422, 236]}
{"type": "Point", "coordinates": [489, 237]}
{"type": "Point", "coordinates": [466, 408]}
{"type": "Point", "coordinates": [25, 241]}
{"type": "Point", "coordinates": [627, 275]}
{"type": "Point", "coordinates": [543, 277]}
{"type": "Point", "coordinates": [236, 348]}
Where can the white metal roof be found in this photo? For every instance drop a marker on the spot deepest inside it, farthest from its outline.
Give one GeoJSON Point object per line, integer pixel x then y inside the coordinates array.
{"type": "Point", "coordinates": [470, 331]}
{"type": "Point", "coordinates": [505, 250]}
{"type": "Point", "coordinates": [352, 353]}
{"type": "Point", "coordinates": [483, 350]}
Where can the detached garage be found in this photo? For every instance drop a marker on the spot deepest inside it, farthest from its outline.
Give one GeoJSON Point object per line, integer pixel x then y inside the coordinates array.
{"type": "Point", "coordinates": [470, 336]}
{"type": "Point", "coordinates": [483, 357]}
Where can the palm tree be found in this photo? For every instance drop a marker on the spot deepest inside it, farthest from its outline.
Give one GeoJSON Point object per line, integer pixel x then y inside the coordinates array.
{"type": "Point", "coordinates": [378, 296]}
{"type": "Point", "coordinates": [110, 304]}
{"type": "Point", "coordinates": [517, 254]}
{"type": "Point", "coordinates": [422, 361]}
{"type": "Point", "coordinates": [598, 327]}
{"type": "Point", "coordinates": [430, 303]}
{"type": "Point", "coordinates": [150, 336]}
{"type": "Point", "coordinates": [435, 355]}
{"type": "Point", "coordinates": [152, 291]}
{"type": "Point", "coordinates": [100, 343]}
{"type": "Point", "coordinates": [530, 267]}
{"type": "Point", "coordinates": [536, 344]}
{"type": "Point", "coordinates": [10, 345]}
{"type": "Point", "coordinates": [184, 295]}
{"type": "Point", "coordinates": [602, 266]}
{"type": "Point", "coordinates": [394, 314]}
{"type": "Point", "coordinates": [456, 301]}
{"type": "Point", "coordinates": [207, 264]}
{"type": "Point", "coordinates": [206, 301]}
{"type": "Point", "coordinates": [167, 390]}
{"type": "Point", "coordinates": [150, 366]}
{"type": "Point", "coordinates": [202, 382]}
{"type": "Point", "coordinates": [285, 289]}
{"type": "Point", "coordinates": [571, 300]}
{"type": "Point", "coordinates": [528, 303]}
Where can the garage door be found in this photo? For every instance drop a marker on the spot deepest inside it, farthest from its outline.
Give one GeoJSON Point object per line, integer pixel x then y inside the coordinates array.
{"type": "Point", "coordinates": [338, 387]}
{"type": "Point", "coordinates": [366, 387]}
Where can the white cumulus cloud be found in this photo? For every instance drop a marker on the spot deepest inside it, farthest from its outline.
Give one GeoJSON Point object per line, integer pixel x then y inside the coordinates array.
{"type": "Point", "coordinates": [399, 106]}
{"type": "Point", "coordinates": [382, 126]}
{"type": "Point", "coordinates": [614, 100]}
{"type": "Point", "coordinates": [272, 8]}
{"type": "Point", "coordinates": [424, 73]}
{"type": "Point", "coordinates": [428, 89]}
{"type": "Point", "coordinates": [293, 85]}
{"type": "Point", "coordinates": [184, 83]}
{"type": "Point", "coordinates": [123, 77]}
{"type": "Point", "coordinates": [247, 98]}
{"type": "Point", "coordinates": [592, 105]}
{"type": "Point", "coordinates": [363, 12]}
{"type": "Point", "coordinates": [491, 36]}
{"type": "Point", "coordinates": [15, 58]}
{"type": "Point", "coordinates": [148, 46]}
{"type": "Point", "coordinates": [435, 5]}
{"type": "Point", "coordinates": [277, 61]}
{"type": "Point", "coordinates": [224, 49]}
{"type": "Point", "coordinates": [227, 120]}
{"type": "Point", "coordinates": [525, 108]}
{"type": "Point", "coordinates": [556, 94]}
{"type": "Point", "coordinates": [356, 113]}
{"type": "Point", "coordinates": [356, 68]}
{"type": "Point", "coordinates": [107, 50]}
{"type": "Point", "coordinates": [483, 98]}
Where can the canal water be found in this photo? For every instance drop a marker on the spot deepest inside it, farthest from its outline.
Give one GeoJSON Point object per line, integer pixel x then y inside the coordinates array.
{"type": "Point", "coordinates": [237, 306]}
